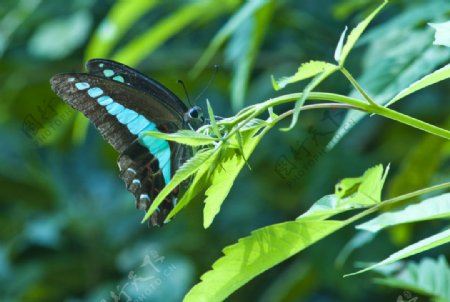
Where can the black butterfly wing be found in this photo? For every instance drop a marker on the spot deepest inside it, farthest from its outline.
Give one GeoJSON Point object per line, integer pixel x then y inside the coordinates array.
{"type": "Point", "coordinates": [115, 133]}
{"type": "Point", "coordinates": [127, 75]}
{"type": "Point", "coordinates": [146, 167]}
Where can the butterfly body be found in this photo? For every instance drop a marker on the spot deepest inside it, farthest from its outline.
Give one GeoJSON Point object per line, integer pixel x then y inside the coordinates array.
{"type": "Point", "coordinates": [124, 104]}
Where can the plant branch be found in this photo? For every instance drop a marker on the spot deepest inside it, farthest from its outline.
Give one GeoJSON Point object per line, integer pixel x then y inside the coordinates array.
{"type": "Point", "coordinates": [316, 106]}
{"type": "Point", "coordinates": [258, 109]}
{"type": "Point", "coordinates": [396, 200]}
{"type": "Point", "coordinates": [357, 86]}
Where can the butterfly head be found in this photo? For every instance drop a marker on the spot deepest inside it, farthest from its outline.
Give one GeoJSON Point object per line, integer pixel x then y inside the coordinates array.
{"type": "Point", "coordinates": [194, 117]}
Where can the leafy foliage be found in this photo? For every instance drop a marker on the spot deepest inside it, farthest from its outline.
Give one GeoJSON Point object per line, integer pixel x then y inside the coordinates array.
{"type": "Point", "coordinates": [253, 255]}
{"type": "Point", "coordinates": [437, 76]}
{"type": "Point", "coordinates": [437, 207]}
{"type": "Point", "coordinates": [305, 71]}
{"type": "Point", "coordinates": [415, 248]}
{"type": "Point", "coordinates": [367, 193]}
{"type": "Point", "coordinates": [441, 36]}
{"type": "Point", "coordinates": [63, 209]}
{"type": "Point", "coordinates": [354, 36]}
{"type": "Point", "coordinates": [403, 63]}
{"type": "Point", "coordinates": [187, 137]}
{"type": "Point", "coordinates": [429, 277]}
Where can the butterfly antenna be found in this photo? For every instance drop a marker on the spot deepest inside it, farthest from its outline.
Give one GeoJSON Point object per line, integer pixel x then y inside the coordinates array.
{"type": "Point", "coordinates": [216, 69]}
{"type": "Point", "coordinates": [185, 91]}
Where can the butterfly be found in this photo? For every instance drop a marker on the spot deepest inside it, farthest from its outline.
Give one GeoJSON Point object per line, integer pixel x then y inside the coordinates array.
{"type": "Point", "coordinates": [123, 104]}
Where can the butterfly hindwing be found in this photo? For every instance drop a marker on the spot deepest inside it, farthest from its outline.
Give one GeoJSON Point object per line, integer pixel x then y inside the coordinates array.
{"type": "Point", "coordinates": [142, 176]}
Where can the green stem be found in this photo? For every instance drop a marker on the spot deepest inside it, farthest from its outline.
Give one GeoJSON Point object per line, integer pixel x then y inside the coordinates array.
{"type": "Point", "coordinates": [258, 109]}
{"type": "Point", "coordinates": [391, 202]}
{"type": "Point", "coordinates": [417, 193]}
{"type": "Point", "coordinates": [306, 107]}
{"type": "Point", "coordinates": [413, 122]}
{"type": "Point", "coordinates": [315, 106]}
{"type": "Point", "coordinates": [316, 96]}
{"type": "Point", "coordinates": [357, 86]}
{"type": "Point", "coordinates": [323, 96]}
{"type": "Point", "coordinates": [397, 200]}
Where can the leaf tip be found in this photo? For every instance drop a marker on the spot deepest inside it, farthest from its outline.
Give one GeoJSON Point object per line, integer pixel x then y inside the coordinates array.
{"type": "Point", "coordinates": [207, 223]}
{"type": "Point", "coordinates": [275, 85]}
{"type": "Point", "coordinates": [340, 45]}
{"type": "Point", "coordinates": [285, 129]}
{"type": "Point", "coordinates": [144, 219]}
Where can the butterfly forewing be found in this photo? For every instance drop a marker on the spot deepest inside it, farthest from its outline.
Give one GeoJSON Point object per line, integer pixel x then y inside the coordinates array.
{"type": "Point", "coordinates": [124, 74]}
{"type": "Point", "coordinates": [113, 98]}
{"type": "Point", "coordinates": [114, 133]}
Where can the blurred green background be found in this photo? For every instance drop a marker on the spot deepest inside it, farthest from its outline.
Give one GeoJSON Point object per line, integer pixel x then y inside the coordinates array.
{"type": "Point", "coordinates": [68, 227]}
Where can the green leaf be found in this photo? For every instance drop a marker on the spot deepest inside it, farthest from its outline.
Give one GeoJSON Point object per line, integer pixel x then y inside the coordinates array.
{"type": "Point", "coordinates": [186, 137]}
{"type": "Point", "coordinates": [413, 249]}
{"type": "Point", "coordinates": [225, 32]}
{"type": "Point", "coordinates": [138, 48]}
{"type": "Point", "coordinates": [305, 71]}
{"type": "Point", "coordinates": [212, 119]}
{"type": "Point", "coordinates": [208, 176]}
{"type": "Point", "coordinates": [326, 207]}
{"type": "Point", "coordinates": [243, 49]}
{"type": "Point", "coordinates": [187, 169]}
{"type": "Point", "coordinates": [254, 254]}
{"type": "Point", "coordinates": [231, 163]}
{"type": "Point", "coordinates": [408, 20]}
{"type": "Point", "coordinates": [119, 20]}
{"type": "Point", "coordinates": [442, 35]}
{"type": "Point", "coordinates": [369, 192]}
{"type": "Point", "coordinates": [430, 79]}
{"type": "Point", "coordinates": [356, 33]}
{"type": "Point", "coordinates": [198, 185]}
{"type": "Point", "coordinates": [437, 207]}
{"type": "Point", "coordinates": [366, 194]}
{"type": "Point", "coordinates": [311, 85]}
{"type": "Point", "coordinates": [429, 277]}
{"type": "Point", "coordinates": [364, 190]}
{"type": "Point", "coordinates": [241, 148]}
{"type": "Point", "coordinates": [338, 51]}
{"type": "Point", "coordinates": [222, 180]}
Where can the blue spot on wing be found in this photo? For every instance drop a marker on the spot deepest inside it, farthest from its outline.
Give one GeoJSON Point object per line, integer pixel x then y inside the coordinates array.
{"type": "Point", "coordinates": [115, 108]}
{"type": "Point", "coordinates": [119, 79]}
{"type": "Point", "coordinates": [164, 163]}
{"type": "Point", "coordinates": [95, 92]}
{"type": "Point", "coordinates": [82, 86]}
{"type": "Point", "coordinates": [127, 116]}
{"type": "Point", "coordinates": [108, 73]}
{"type": "Point", "coordinates": [161, 150]}
{"type": "Point", "coordinates": [104, 100]}
{"type": "Point", "coordinates": [139, 124]}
